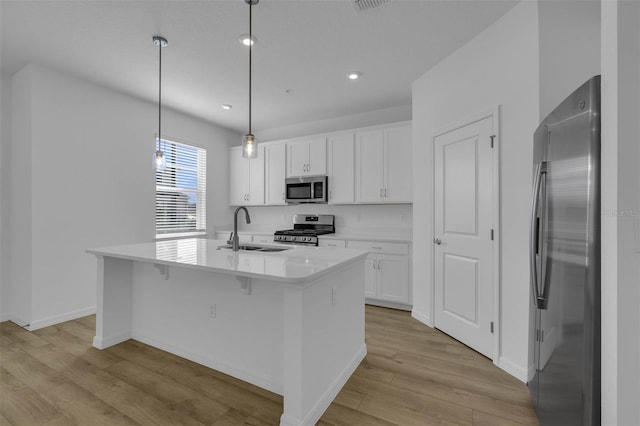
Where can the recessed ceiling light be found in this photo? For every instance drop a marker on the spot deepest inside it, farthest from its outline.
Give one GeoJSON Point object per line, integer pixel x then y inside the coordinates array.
{"type": "Point", "coordinates": [354, 75]}
{"type": "Point", "coordinates": [226, 106]}
{"type": "Point", "coordinates": [245, 39]}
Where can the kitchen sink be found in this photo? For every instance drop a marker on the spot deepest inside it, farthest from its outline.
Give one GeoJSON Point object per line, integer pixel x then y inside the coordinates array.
{"type": "Point", "coordinates": [250, 247]}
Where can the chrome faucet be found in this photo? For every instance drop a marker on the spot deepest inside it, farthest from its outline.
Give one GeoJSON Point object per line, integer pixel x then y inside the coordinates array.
{"type": "Point", "coordinates": [234, 241]}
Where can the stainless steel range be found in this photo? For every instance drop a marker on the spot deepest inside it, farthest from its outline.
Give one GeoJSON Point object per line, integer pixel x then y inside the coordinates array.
{"type": "Point", "coordinates": [306, 228]}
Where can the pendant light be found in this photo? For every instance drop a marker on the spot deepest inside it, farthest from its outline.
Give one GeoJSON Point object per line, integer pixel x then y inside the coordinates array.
{"type": "Point", "coordinates": [160, 158]}
{"type": "Point", "coordinates": [249, 143]}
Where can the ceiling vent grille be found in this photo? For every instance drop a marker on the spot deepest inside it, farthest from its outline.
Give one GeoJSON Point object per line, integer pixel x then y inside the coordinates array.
{"type": "Point", "coordinates": [362, 5]}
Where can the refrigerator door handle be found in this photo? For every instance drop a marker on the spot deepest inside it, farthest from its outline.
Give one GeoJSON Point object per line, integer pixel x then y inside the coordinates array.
{"type": "Point", "coordinates": [541, 168]}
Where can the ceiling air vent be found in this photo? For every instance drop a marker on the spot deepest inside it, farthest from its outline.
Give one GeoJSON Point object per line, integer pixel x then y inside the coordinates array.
{"type": "Point", "coordinates": [362, 5]}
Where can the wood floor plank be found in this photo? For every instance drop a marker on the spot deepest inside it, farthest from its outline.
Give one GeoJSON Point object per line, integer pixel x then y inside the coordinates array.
{"type": "Point", "coordinates": [20, 405]}
{"type": "Point", "coordinates": [339, 415]}
{"type": "Point", "coordinates": [412, 374]}
{"type": "Point", "coordinates": [145, 409]}
{"type": "Point", "coordinates": [484, 419]}
{"type": "Point", "coordinates": [429, 408]}
{"type": "Point", "coordinates": [83, 407]}
{"type": "Point", "coordinates": [81, 370]}
{"type": "Point", "coordinates": [237, 418]}
{"type": "Point", "coordinates": [209, 382]}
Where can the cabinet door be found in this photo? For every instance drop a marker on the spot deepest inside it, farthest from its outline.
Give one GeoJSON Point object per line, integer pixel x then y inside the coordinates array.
{"type": "Point", "coordinates": [317, 163]}
{"type": "Point", "coordinates": [370, 277]}
{"type": "Point", "coordinates": [340, 169]}
{"type": "Point", "coordinates": [398, 160]}
{"type": "Point", "coordinates": [297, 158]}
{"type": "Point", "coordinates": [239, 177]}
{"type": "Point", "coordinates": [393, 278]}
{"type": "Point", "coordinates": [275, 171]}
{"type": "Point", "coordinates": [369, 166]}
{"type": "Point", "coordinates": [256, 179]}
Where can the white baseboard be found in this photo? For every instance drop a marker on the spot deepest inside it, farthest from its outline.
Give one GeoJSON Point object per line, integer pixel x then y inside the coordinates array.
{"type": "Point", "coordinates": [270, 383]}
{"type": "Point", "coordinates": [517, 371]}
{"type": "Point", "coordinates": [422, 318]}
{"type": "Point", "coordinates": [329, 395]}
{"type": "Point", "coordinates": [105, 342]}
{"type": "Point", "coordinates": [387, 304]}
{"type": "Point", "coordinates": [57, 319]}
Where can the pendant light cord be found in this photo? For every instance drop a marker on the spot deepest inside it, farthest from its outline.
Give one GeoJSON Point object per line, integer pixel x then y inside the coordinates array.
{"type": "Point", "coordinates": [250, 47]}
{"type": "Point", "coordinates": [160, 97]}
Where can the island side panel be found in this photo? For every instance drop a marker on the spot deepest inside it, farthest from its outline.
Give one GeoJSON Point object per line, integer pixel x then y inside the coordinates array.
{"type": "Point", "coordinates": [324, 341]}
{"type": "Point", "coordinates": [113, 301]}
{"type": "Point", "coordinates": [209, 318]}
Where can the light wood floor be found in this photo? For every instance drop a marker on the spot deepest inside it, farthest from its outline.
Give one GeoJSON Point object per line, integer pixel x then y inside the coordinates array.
{"type": "Point", "coordinates": [412, 375]}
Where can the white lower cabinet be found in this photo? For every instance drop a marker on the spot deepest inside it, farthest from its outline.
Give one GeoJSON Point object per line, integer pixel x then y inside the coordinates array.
{"type": "Point", "coordinates": [387, 275]}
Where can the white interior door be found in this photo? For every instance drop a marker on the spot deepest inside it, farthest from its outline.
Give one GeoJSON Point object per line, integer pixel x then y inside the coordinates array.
{"type": "Point", "coordinates": [463, 217]}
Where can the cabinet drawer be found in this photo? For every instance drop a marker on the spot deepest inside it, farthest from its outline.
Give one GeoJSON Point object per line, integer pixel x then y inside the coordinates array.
{"type": "Point", "coordinates": [332, 243]}
{"type": "Point", "coordinates": [380, 247]}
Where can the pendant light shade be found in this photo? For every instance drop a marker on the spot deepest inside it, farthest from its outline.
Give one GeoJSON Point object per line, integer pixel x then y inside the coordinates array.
{"type": "Point", "coordinates": [249, 143]}
{"type": "Point", "coordinates": [159, 157]}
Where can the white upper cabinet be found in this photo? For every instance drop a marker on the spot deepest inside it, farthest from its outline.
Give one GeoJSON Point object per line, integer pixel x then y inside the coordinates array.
{"type": "Point", "coordinates": [340, 168]}
{"type": "Point", "coordinates": [398, 167]}
{"type": "Point", "coordinates": [307, 157]}
{"type": "Point", "coordinates": [275, 167]}
{"type": "Point", "coordinates": [369, 175]}
{"type": "Point", "coordinates": [246, 183]}
{"type": "Point", "coordinates": [383, 165]}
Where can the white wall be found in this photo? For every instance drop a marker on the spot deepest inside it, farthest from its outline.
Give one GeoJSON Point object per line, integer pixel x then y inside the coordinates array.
{"type": "Point", "coordinates": [370, 118]}
{"type": "Point", "coordinates": [569, 48]}
{"type": "Point", "coordinates": [360, 219]}
{"type": "Point", "coordinates": [498, 67]}
{"type": "Point", "coordinates": [91, 183]}
{"type": "Point", "coordinates": [19, 232]}
{"type": "Point", "coordinates": [5, 135]}
{"type": "Point", "coordinates": [621, 212]}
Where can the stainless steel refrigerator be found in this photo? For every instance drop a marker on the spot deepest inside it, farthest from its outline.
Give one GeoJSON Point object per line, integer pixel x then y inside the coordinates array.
{"type": "Point", "coordinates": [565, 261]}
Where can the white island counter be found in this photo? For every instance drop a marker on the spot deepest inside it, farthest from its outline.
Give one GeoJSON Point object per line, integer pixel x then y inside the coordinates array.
{"type": "Point", "coordinates": [291, 322]}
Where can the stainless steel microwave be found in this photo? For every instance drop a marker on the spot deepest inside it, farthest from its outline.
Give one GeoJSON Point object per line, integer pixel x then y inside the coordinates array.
{"type": "Point", "coordinates": [310, 189]}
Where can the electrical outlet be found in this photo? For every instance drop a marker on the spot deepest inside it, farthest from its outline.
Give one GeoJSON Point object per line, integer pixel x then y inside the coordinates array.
{"type": "Point", "coordinates": [212, 311]}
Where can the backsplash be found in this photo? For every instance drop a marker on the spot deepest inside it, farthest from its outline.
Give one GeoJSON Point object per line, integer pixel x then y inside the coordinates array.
{"type": "Point", "coordinates": [352, 218]}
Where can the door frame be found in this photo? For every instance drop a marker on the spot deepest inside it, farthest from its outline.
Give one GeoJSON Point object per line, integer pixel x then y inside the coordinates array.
{"type": "Point", "coordinates": [494, 114]}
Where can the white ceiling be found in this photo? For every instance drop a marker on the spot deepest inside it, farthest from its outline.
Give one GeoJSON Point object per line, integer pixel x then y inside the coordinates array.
{"type": "Point", "coordinates": [307, 46]}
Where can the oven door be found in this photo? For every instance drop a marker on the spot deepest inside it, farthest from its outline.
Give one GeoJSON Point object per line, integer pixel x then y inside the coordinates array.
{"type": "Point", "coordinates": [311, 189]}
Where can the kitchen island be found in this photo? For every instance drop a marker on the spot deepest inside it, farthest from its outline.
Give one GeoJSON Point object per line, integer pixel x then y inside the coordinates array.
{"type": "Point", "coordinates": [289, 321]}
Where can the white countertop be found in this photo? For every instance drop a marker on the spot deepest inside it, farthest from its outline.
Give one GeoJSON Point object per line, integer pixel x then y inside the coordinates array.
{"type": "Point", "coordinates": [296, 265]}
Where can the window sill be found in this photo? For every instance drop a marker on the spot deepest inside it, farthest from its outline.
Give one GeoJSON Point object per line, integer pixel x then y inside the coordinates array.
{"type": "Point", "coordinates": [180, 236]}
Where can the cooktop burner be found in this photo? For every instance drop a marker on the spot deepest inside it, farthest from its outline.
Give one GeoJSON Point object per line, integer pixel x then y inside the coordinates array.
{"type": "Point", "coordinates": [306, 228]}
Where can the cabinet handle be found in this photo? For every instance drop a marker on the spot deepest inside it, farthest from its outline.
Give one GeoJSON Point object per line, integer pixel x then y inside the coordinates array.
{"type": "Point", "coordinates": [283, 196]}
{"type": "Point", "coordinates": [380, 192]}
{"type": "Point", "coordinates": [385, 193]}
{"type": "Point", "coordinates": [376, 248]}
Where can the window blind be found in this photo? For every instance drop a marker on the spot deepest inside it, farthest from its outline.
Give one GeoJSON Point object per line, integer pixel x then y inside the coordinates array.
{"type": "Point", "coordinates": [181, 189]}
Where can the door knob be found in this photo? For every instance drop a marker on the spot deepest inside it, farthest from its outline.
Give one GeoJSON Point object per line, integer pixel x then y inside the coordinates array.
{"type": "Point", "coordinates": [437, 241]}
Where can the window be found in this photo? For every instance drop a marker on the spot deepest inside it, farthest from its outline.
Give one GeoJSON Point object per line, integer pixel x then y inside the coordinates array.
{"type": "Point", "coordinates": [181, 190]}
